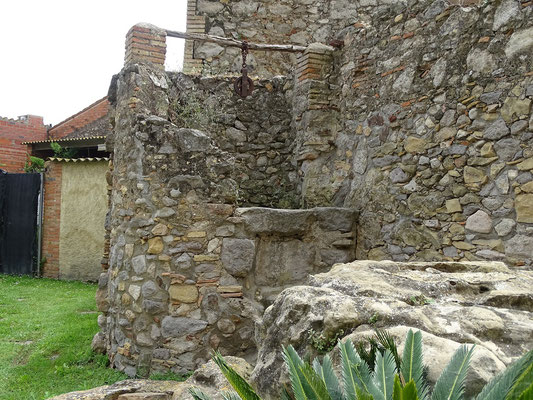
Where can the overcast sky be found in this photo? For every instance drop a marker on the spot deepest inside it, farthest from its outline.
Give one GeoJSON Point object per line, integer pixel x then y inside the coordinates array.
{"type": "Point", "coordinates": [57, 57]}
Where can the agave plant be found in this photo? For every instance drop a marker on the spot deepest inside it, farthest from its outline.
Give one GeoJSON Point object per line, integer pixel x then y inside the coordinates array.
{"type": "Point", "coordinates": [391, 378]}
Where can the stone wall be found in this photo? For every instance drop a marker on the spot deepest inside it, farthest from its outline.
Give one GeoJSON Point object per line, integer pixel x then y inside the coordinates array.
{"type": "Point", "coordinates": [190, 271]}
{"type": "Point", "coordinates": [276, 22]}
{"type": "Point", "coordinates": [256, 136]}
{"type": "Point", "coordinates": [420, 121]}
{"type": "Point", "coordinates": [434, 127]}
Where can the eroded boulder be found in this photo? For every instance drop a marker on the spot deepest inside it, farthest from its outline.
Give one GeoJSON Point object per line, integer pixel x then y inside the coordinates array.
{"type": "Point", "coordinates": [452, 303]}
{"type": "Point", "coordinates": [211, 381]}
{"type": "Point", "coordinates": [207, 378]}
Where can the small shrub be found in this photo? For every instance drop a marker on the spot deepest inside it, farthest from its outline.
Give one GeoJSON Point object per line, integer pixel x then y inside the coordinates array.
{"type": "Point", "coordinates": [373, 319]}
{"type": "Point", "coordinates": [62, 152]}
{"type": "Point", "coordinates": [34, 164]}
{"type": "Point", "coordinates": [192, 112]}
{"type": "Point", "coordinates": [322, 343]}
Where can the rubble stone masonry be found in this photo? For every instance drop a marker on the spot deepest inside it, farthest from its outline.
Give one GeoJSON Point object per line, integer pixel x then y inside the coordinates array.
{"type": "Point", "coordinates": [407, 139]}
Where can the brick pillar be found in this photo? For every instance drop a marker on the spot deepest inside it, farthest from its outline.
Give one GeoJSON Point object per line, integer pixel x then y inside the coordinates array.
{"type": "Point", "coordinates": [51, 219]}
{"type": "Point", "coordinates": [314, 67]}
{"type": "Point", "coordinates": [146, 43]}
{"type": "Point", "coordinates": [195, 24]}
{"type": "Point", "coordinates": [316, 118]}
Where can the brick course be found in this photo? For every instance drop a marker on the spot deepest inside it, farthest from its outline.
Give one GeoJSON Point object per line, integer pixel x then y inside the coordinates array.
{"type": "Point", "coordinates": [146, 43]}
{"type": "Point", "coordinates": [13, 154]}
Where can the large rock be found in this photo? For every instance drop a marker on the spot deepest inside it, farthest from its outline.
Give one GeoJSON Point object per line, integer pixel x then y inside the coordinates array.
{"type": "Point", "coordinates": [207, 378]}
{"type": "Point", "coordinates": [452, 303]}
{"type": "Point", "coordinates": [210, 380]}
{"type": "Point", "coordinates": [131, 386]}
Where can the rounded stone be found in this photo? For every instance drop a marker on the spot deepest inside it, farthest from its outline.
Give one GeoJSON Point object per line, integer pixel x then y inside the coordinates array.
{"type": "Point", "coordinates": [480, 222]}
{"type": "Point", "coordinates": [226, 326]}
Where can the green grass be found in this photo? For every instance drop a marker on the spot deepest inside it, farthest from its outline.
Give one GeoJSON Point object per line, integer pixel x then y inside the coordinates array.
{"type": "Point", "coordinates": [46, 328]}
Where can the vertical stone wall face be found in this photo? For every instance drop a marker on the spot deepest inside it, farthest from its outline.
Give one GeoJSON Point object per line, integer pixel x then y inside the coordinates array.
{"type": "Point", "coordinates": [256, 135]}
{"type": "Point", "coordinates": [272, 21]}
{"type": "Point", "coordinates": [421, 122]}
{"type": "Point", "coordinates": [190, 271]}
{"type": "Point", "coordinates": [434, 142]}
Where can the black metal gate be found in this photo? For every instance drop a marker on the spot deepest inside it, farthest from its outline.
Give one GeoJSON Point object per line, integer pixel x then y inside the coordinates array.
{"type": "Point", "coordinates": [19, 195]}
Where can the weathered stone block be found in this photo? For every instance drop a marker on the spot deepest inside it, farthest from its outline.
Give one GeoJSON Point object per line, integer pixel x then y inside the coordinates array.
{"type": "Point", "coordinates": [139, 264]}
{"type": "Point", "coordinates": [238, 256]}
{"type": "Point", "coordinates": [524, 208]}
{"type": "Point", "coordinates": [496, 130]}
{"type": "Point", "coordinates": [282, 262]}
{"type": "Point", "coordinates": [155, 245]}
{"type": "Point", "coordinates": [183, 293]}
{"type": "Point", "coordinates": [479, 222]}
{"type": "Point", "coordinates": [473, 175]}
{"type": "Point", "coordinates": [192, 140]}
{"type": "Point", "coordinates": [181, 326]}
{"type": "Point", "coordinates": [415, 145]}
{"type": "Point", "coordinates": [160, 230]}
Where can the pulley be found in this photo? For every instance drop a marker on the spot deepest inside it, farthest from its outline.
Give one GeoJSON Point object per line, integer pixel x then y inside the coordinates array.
{"type": "Point", "coordinates": [243, 85]}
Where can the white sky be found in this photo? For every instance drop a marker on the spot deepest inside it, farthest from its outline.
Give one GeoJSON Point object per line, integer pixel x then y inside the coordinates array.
{"type": "Point", "coordinates": [57, 57]}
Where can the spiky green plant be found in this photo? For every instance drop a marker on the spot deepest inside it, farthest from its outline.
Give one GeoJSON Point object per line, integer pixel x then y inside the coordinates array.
{"type": "Point", "coordinates": [62, 152]}
{"type": "Point", "coordinates": [34, 164]}
{"type": "Point", "coordinates": [389, 379]}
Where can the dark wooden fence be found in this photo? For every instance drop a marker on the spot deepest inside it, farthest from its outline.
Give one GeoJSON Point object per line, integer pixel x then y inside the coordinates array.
{"type": "Point", "coordinates": [19, 195]}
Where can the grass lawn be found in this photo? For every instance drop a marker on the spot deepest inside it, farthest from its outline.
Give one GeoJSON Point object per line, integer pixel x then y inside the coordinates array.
{"type": "Point", "coordinates": [46, 328]}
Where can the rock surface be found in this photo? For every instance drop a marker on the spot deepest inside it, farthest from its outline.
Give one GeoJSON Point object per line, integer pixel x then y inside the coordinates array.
{"type": "Point", "coordinates": [207, 378]}
{"type": "Point", "coordinates": [210, 380]}
{"type": "Point", "coordinates": [452, 303]}
{"type": "Point", "coordinates": [130, 386]}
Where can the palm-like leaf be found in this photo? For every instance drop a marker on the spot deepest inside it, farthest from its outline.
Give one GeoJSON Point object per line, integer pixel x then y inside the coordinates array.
{"type": "Point", "coordinates": [197, 394]}
{"type": "Point", "coordinates": [384, 375]}
{"type": "Point", "coordinates": [285, 395]}
{"type": "Point", "coordinates": [407, 392]}
{"type": "Point", "coordinates": [349, 358]}
{"type": "Point", "coordinates": [315, 388]}
{"type": "Point", "coordinates": [356, 374]}
{"type": "Point", "coordinates": [525, 378]}
{"type": "Point", "coordinates": [230, 396]}
{"type": "Point", "coordinates": [527, 394]}
{"type": "Point", "coordinates": [294, 362]}
{"type": "Point", "coordinates": [501, 387]}
{"type": "Point", "coordinates": [362, 395]}
{"type": "Point", "coordinates": [450, 385]}
{"type": "Point", "coordinates": [368, 356]}
{"type": "Point", "coordinates": [327, 374]}
{"type": "Point", "coordinates": [243, 388]}
{"type": "Point", "coordinates": [412, 367]}
{"type": "Point", "coordinates": [365, 381]}
{"type": "Point", "coordinates": [387, 341]}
